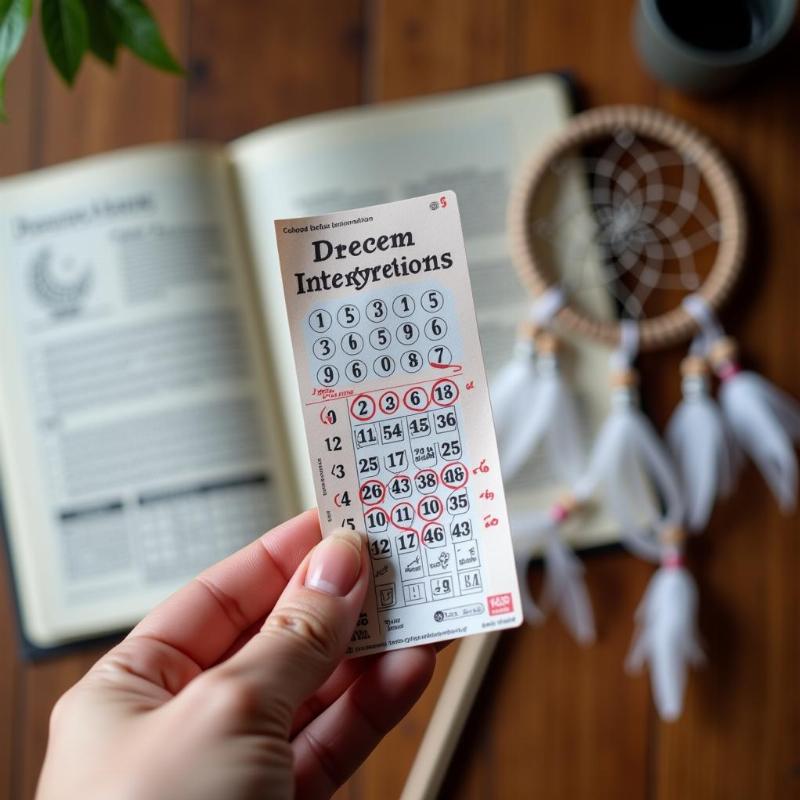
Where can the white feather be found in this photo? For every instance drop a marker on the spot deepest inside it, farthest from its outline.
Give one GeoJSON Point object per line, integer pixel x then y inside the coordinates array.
{"type": "Point", "coordinates": [631, 468]}
{"type": "Point", "coordinates": [512, 391]}
{"type": "Point", "coordinates": [703, 449]}
{"type": "Point", "coordinates": [785, 408]}
{"type": "Point", "coordinates": [765, 422]}
{"type": "Point", "coordinates": [565, 589]}
{"type": "Point", "coordinates": [564, 437]}
{"type": "Point", "coordinates": [546, 417]}
{"type": "Point", "coordinates": [527, 533]}
{"type": "Point", "coordinates": [667, 638]}
{"type": "Point", "coordinates": [532, 613]}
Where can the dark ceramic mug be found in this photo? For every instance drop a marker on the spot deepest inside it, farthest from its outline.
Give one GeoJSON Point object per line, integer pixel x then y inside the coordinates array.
{"type": "Point", "coordinates": [707, 45]}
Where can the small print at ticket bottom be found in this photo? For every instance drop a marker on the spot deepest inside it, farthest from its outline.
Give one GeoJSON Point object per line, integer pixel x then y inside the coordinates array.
{"type": "Point", "coordinates": [397, 416]}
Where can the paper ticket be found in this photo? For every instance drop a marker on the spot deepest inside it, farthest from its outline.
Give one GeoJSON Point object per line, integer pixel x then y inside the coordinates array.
{"type": "Point", "coordinates": [397, 416]}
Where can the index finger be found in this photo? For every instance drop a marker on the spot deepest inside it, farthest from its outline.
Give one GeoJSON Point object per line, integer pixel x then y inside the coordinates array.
{"type": "Point", "coordinates": [204, 618]}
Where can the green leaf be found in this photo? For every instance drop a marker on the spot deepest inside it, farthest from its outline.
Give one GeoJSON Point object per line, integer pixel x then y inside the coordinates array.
{"type": "Point", "coordinates": [134, 26]}
{"type": "Point", "coordinates": [102, 41]}
{"type": "Point", "coordinates": [14, 18]}
{"type": "Point", "coordinates": [66, 34]}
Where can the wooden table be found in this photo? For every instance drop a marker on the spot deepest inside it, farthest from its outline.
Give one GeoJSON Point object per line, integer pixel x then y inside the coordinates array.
{"type": "Point", "coordinates": [553, 721]}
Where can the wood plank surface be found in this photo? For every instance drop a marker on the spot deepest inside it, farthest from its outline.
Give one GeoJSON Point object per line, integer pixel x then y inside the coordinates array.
{"type": "Point", "coordinates": [16, 154]}
{"type": "Point", "coordinates": [259, 63]}
{"type": "Point", "coordinates": [553, 720]}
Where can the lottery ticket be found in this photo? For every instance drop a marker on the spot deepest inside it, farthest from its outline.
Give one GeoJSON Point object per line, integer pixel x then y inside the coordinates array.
{"type": "Point", "coordinates": [397, 416]}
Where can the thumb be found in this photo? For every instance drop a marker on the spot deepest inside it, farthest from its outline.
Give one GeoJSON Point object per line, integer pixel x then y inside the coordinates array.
{"type": "Point", "coordinates": [305, 636]}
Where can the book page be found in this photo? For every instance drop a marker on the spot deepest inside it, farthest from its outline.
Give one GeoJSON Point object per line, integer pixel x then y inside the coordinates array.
{"type": "Point", "coordinates": [472, 142]}
{"type": "Point", "coordinates": [132, 413]}
{"type": "Point", "coordinates": [396, 408]}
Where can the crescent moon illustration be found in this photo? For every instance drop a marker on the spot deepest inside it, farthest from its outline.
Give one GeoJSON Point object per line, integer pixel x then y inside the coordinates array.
{"type": "Point", "coordinates": [59, 288]}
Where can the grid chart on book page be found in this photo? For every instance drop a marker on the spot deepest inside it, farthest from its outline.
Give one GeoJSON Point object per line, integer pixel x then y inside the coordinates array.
{"type": "Point", "coordinates": [397, 416]}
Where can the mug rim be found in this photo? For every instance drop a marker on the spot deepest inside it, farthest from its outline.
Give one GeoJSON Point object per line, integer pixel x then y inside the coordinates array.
{"type": "Point", "coordinates": [785, 12]}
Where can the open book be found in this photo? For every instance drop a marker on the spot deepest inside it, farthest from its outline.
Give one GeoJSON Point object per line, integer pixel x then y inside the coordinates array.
{"type": "Point", "coordinates": [149, 416]}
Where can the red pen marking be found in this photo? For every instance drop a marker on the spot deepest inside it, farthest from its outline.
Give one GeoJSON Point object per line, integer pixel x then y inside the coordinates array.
{"type": "Point", "coordinates": [413, 399]}
{"type": "Point", "coordinates": [389, 402]}
{"type": "Point", "coordinates": [363, 408]}
{"type": "Point", "coordinates": [372, 486]}
{"type": "Point", "coordinates": [457, 368]}
{"type": "Point", "coordinates": [431, 526]}
{"type": "Point", "coordinates": [430, 508]}
{"type": "Point", "coordinates": [331, 394]}
{"type": "Point", "coordinates": [438, 393]}
{"type": "Point", "coordinates": [396, 523]}
{"type": "Point", "coordinates": [452, 471]}
{"type": "Point", "coordinates": [427, 489]}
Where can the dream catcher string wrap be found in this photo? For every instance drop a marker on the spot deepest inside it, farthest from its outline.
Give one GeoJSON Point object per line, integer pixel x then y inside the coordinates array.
{"type": "Point", "coordinates": [661, 203]}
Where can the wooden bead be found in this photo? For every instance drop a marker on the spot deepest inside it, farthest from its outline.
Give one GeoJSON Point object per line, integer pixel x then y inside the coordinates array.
{"type": "Point", "coordinates": [622, 378]}
{"type": "Point", "coordinates": [569, 503]}
{"type": "Point", "coordinates": [723, 351]}
{"type": "Point", "coordinates": [528, 331]}
{"type": "Point", "coordinates": [693, 365]}
{"type": "Point", "coordinates": [546, 343]}
{"type": "Point", "coordinates": [672, 536]}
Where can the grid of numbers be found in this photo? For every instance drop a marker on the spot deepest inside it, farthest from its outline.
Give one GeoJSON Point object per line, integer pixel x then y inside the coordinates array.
{"type": "Point", "coordinates": [407, 443]}
{"type": "Point", "coordinates": [393, 337]}
{"type": "Point", "coordinates": [415, 496]}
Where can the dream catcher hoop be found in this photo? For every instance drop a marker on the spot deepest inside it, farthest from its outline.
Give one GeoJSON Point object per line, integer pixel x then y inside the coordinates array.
{"type": "Point", "coordinates": [624, 124]}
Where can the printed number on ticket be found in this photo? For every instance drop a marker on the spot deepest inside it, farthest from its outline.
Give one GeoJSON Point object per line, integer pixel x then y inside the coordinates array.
{"type": "Point", "coordinates": [397, 416]}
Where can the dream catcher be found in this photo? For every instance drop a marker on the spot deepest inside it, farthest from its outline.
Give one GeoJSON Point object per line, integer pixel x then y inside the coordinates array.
{"type": "Point", "coordinates": [663, 209]}
{"type": "Point", "coordinates": [628, 229]}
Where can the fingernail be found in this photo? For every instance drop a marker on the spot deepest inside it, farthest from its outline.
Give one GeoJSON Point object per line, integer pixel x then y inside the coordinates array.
{"type": "Point", "coordinates": [335, 563]}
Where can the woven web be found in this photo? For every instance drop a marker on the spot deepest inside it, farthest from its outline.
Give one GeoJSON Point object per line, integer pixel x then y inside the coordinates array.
{"type": "Point", "coordinates": [642, 225]}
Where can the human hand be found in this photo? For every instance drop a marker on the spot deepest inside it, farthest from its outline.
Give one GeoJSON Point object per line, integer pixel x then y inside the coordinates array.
{"type": "Point", "coordinates": [235, 686]}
